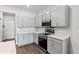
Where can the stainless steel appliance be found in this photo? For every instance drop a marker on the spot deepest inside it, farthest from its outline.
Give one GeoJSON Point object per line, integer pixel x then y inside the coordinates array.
{"type": "Point", "coordinates": [42, 39]}
{"type": "Point", "coordinates": [46, 23]}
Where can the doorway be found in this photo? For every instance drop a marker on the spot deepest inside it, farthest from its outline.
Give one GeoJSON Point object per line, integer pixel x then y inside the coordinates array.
{"type": "Point", "coordinates": [8, 26]}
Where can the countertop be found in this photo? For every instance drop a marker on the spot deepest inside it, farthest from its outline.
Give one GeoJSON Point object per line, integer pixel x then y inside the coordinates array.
{"type": "Point", "coordinates": [35, 32]}
{"type": "Point", "coordinates": [7, 47]}
{"type": "Point", "coordinates": [60, 35]}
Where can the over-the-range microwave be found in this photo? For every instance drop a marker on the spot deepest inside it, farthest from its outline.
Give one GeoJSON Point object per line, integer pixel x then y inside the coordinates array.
{"type": "Point", "coordinates": [46, 23]}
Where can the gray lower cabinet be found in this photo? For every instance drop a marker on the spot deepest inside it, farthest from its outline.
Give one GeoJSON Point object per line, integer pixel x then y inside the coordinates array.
{"type": "Point", "coordinates": [35, 38]}
{"type": "Point", "coordinates": [56, 46]}
{"type": "Point", "coordinates": [23, 39]}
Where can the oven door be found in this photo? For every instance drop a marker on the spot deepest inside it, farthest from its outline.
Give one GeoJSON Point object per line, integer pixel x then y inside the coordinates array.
{"type": "Point", "coordinates": [42, 42]}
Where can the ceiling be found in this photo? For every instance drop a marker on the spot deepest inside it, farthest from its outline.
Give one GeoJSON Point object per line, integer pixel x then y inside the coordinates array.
{"type": "Point", "coordinates": [33, 8]}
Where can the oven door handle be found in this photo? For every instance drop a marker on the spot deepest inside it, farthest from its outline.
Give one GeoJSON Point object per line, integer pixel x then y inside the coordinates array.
{"type": "Point", "coordinates": [42, 38]}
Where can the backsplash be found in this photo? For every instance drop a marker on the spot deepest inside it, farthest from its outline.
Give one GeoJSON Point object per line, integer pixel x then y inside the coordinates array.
{"type": "Point", "coordinates": [56, 29]}
{"type": "Point", "coordinates": [40, 29]}
{"type": "Point", "coordinates": [26, 29]}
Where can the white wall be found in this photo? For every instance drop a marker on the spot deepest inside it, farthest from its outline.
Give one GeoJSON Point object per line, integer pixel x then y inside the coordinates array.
{"type": "Point", "coordinates": [17, 11]}
{"type": "Point", "coordinates": [74, 28]}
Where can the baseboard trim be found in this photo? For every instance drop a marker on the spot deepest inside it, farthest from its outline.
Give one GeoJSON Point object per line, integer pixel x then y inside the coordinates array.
{"type": "Point", "coordinates": [10, 39]}
{"type": "Point", "coordinates": [19, 45]}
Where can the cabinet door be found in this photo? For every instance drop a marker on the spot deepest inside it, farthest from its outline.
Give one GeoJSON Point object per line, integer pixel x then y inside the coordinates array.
{"type": "Point", "coordinates": [1, 29]}
{"type": "Point", "coordinates": [58, 17]}
{"type": "Point", "coordinates": [58, 46]}
{"type": "Point", "coordinates": [50, 46]}
{"type": "Point", "coordinates": [46, 16]}
{"type": "Point", "coordinates": [37, 21]}
{"type": "Point", "coordinates": [54, 46]}
{"type": "Point", "coordinates": [24, 39]}
{"type": "Point", "coordinates": [19, 39]}
{"type": "Point", "coordinates": [25, 22]}
{"type": "Point", "coordinates": [29, 38]}
{"type": "Point", "coordinates": [40, 21]}
{"type": "Point", "coordinates": [19, 21]}
{"type": "Point", "coordinates": [35, 38]}
{"type": "Point", "coordinates": [28, 22]}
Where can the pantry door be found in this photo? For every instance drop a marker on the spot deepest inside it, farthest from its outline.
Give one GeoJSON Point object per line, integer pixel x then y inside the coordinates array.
{"type": "Point", "coordinates": [1, 27]}
{"type": "Point", "coordinates": [8, 20]}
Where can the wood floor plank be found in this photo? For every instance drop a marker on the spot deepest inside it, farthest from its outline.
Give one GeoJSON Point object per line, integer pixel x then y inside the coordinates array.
{"type": "Point", "coordinates": [29, 49]}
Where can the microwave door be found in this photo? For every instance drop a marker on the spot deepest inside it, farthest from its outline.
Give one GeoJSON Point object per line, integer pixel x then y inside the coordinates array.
{"type": "Point", "coordinates": [48, 24]}
{"type": "Point", "coordinates": [43, 24]}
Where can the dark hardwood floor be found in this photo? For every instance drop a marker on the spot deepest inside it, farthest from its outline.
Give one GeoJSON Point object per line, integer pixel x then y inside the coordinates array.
{"type": "Point", "coordinates": [29, 49]}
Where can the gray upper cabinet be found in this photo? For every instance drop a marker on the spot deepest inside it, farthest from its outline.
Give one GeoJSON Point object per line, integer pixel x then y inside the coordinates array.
{"type": "Point", "coordinates": [19, 21]}
{"type": "Point", "coordinates": [39, 21]}
{"type": "Point", "coordinates": [46, 15]}
{"type": "Point", "coordinates": [40, 18]}
{"type": "Point", "coordinates": [60, 16]}
{"type": "Point", "coordinates": [25, 22]}
{"type": "Point", "coordinates": [28, 22]}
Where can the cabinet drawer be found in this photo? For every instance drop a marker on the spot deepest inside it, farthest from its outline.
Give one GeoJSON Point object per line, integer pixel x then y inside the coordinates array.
{"type": "Point", "coordinates": [55, 40]}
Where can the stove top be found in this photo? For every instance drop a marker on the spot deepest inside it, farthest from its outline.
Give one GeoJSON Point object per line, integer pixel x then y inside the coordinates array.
{"type": "Point", "coordinates": [47, 32]}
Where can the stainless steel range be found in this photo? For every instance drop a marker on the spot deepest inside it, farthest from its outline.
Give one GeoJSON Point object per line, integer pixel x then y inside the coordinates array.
{"type": "Point", "coordinates": [42, 39]}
